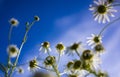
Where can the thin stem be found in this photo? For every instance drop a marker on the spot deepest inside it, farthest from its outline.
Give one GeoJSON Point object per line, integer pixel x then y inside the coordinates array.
{"type": "Point", "coordinates": [77, 53]}
{"type": "Point", "coordinates": [103, 29]}
{"type": "Point", "coordinates": [59, 58]}
{"type": "Point", "coordinates": [56, 70]}
{"type": "Point", "coordinates": [23, 42]}
{"type": "Point", "coordinates": [48, 51]}
{"type": "Point", "coordinates": [54, 66]}
{"type": "Point", "coordinates": [9, 39]}
{"type": "Point", "coordinates": [9, 35]}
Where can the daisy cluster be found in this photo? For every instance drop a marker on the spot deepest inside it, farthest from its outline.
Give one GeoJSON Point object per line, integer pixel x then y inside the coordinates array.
{"type": "Point", "coordinates": [88, 61]}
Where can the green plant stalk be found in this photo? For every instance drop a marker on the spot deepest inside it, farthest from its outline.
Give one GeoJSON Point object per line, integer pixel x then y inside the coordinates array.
{"type": "Point", "coordinates": [23, 42]}
{"type": "Point", "coordinates": [56, 70]}
{"type": "Point", "coordinates": [54, 66]}
{"type": "Point", "coordinates": [59, 56]}
{"type": "Point", "coordinates": [9, 39]}
{"type": "Point", "coordinates": [106, 26]}
{"type": "Point", "coordinates": [78, 53]}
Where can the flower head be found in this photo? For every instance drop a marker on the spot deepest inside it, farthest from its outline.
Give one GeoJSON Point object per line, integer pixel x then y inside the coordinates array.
{"type": "Point", "coordinates": [36, 18]}
{"type": "Point", "coordinates": [49, 61]}
{"type": "Point", "coordinates": [12, 50]}
{"type": "Point", "coordinates": [13, 22]}
{"type": "Point", "coordinates": [45, 46]}
{"type": "Point", "coordinates": [74, 47]}
{"type": "Point", "coordinates": [70, 64]}
{"type": "Point", "coordinates": [77, 65]}
{"type": "Point", "coordinates": [102, 10]}
{"type": "Point", "coordinates": [73, 67]}
{"type": "Point", "coordinates": [95, 39]}
{"type": "Point", "coordinates": [20, 70]}
{"type": "Point", "coordinates": [33, 65]}
{"type": "Point", "coordinates": [87, 55]}
{"type": "Point", "coordinates": [90, 60]}
{"type": "Point", "coordinates": [60, 48]}
{"type": "Point", "coordinates": [99, 48]}
{"type": "Point", "coordinates": [102, 74]}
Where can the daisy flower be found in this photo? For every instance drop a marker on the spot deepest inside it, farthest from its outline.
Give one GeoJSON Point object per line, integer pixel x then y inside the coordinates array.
{"type": "Point", "coordinates": [102, 10]}
{"type": "Point", "coordinates": [77, 65]}
{"type": "Point", "coordinates": [60, 48]}
{"type": "Point", "coordinates": [20, 70]}
{"type": "Point", "coordinates": [94, 40]}
{"type": "Point", "coordinates": [45, 46]}
{"type": "Point", "coordinates": [33, 65]}
{"type": "Point", "coordinates": [90, 60]}
{"type": "Point", "coordinates": [49, 61]}
{"type": "Point", "coordinates": [14, 22]}
{"type": "Point", "coordinates": [36, 18]}
{"type": "Point", "coordinates": [12, 50]}
{"type": "Point", "coordinates": [73, 48]}
{"type": "Point", "coordinates": [99, 48]}
{"type": "Point", "coordinates": [69, 67]}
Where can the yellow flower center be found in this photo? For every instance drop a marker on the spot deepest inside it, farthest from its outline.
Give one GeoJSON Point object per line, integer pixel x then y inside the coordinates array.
{"type": "Point", "coordinates": [46, 44]}
{"type": "Point", "coordinates": [87, 55]}
{"type": "Point", "coordinates": [60, 47]}
{"type": "Point", "coordinates": [75, 46]}
{"type": "Point", "coordinates": [96, 39]}
{"type": "Point", "coordinates": [69, 64]}
{"type": "Point", "coordinates": [77, 64]}
{"type": "Point", "coordinates": [102, 9]}
{"type": "Point", "coordinates": [99, 47]}
{"type": "Point", "coordinates": [12, 50]}
{"type": "Point", "coordinates": [50, 60]}
{"type": "Point", "coordinates": [33, 63]}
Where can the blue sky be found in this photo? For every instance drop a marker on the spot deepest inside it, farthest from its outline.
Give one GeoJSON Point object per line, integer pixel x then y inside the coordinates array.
{"type": "Point", "coordinates": [64, 21]}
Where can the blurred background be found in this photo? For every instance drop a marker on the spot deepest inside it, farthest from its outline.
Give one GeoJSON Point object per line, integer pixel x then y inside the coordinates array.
{"type": "Point", "coordinates": [65, 21]}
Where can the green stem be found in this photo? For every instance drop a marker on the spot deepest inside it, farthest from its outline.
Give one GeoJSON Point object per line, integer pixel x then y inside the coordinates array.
{"type": "Point", "coordinates": [9, 39]}
{"type": "Point", "coordinates": [106, 26]}
{"type": "Point", "coordinates": [48, 51]}
{"type": "Point", "coordinates": [59, 59]}
{"type": "Point", "coordinates": [9, 35]}
{"type": "Point", "coordinates": [23, 42]}
{"type": "Point", "coordinates": [77, 53]}
{"type": "Point", "coordinates": [56, 70]}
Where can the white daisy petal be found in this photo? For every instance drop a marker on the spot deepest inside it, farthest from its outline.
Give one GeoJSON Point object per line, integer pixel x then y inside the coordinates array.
{"type": "Point", "coordinates": [97, 3]}
{"type": "Point", "coordinates": [107, 18]}
{"type": "Point", "coordinates": [102, 10]}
